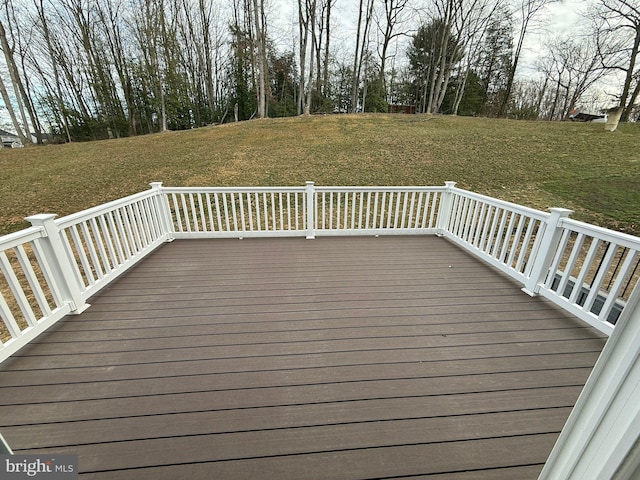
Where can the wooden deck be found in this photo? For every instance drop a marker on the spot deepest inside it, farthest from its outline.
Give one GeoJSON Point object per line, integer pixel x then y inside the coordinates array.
{"type": "Point", "coordinates": [344, 358]}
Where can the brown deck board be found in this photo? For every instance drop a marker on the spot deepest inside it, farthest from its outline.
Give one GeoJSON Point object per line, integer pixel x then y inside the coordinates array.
{"type": "Point", "coordinates": [429, 336]}
{"type": "Point", "coordinates": [260, 378]}
{"type": "Point", "coordinates": [389, 462]}
{"type": "Point", "coordinates": [317, 438]}
{"type": "Point", "coordinates": [346, 358]}
{"type": "Point", "coordinates": [290, 416]}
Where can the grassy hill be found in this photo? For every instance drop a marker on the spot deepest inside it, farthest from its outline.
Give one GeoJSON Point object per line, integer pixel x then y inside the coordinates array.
{"type": "Point", "coordinates": [538, 164]}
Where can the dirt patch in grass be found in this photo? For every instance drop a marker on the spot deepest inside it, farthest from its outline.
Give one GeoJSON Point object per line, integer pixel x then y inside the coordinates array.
{"type": "Point", "coordinates": [538, 164]}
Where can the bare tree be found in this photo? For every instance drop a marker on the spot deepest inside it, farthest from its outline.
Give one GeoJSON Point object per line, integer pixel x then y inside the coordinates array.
{"type": "Point", "coordinates": [394, 14]}
{"type": "Point", "coordinates": [526, 12]}
{"type": "Point", "coordinates": [44, 24]}
{"type": "Point", "coordinates": [18, 88]}
{"type": "Point", "coordinates": [619, 46]}
{"type": "Point", "coordinates": [573, 64]}
{"type": "Point", "coordinates": [260, 39]}
{"type": "Point", "coordinates": [324, 36]}
{"type": "Point", "coordinates": [306, 29]}
{"type": "Point", "coordinates": [365, 13]}
{"type": "Point", "coordinates": [447, 52]}
{"type": "Point", "coordinates": [320, 43]}
{"type": "Point", "coordinates": [471, 27]}
{"type": "Point", "coordinates": [20, 39]}
{"type": "Point", "coordinates": [14, 119]}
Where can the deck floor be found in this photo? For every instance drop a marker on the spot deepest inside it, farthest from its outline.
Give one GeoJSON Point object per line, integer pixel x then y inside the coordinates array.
{"type": "Point", "coordinates": [342, 358]}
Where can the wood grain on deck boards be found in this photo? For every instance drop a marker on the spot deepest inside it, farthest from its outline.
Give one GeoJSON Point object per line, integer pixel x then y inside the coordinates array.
{"type": "Point", "coordinates": [349, 358]}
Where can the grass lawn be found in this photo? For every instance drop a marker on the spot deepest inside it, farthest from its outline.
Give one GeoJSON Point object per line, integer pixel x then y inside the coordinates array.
{"type": "Point", "coordinates": [538, 164]}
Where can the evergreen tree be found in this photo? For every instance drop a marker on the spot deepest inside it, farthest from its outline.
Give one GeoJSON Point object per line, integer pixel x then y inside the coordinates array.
{"type": "Point", "coordinates": [494, 63]}
{"type": "Point", "coordinates": [427, 59]}
{"type": "Point", "coordinates": [283, 85]}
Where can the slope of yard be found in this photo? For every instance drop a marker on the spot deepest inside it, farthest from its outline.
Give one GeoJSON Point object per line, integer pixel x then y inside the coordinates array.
{"type": "Point", "coordinates": [578, 166]}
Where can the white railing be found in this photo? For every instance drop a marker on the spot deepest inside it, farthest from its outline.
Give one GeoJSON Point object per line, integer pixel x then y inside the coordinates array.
{"type": "Point", "coordinates": [504, 234]}
{"type": "Point", "coordinates": [593, 272]}
{"type": "Point", "coordinates": [587, 270]}
{"type": "Point", "coordinates": [51, 269]}
{"type": "Point", "coordinates": [234, 212]}
{"type": "Point", "coordinates": [31, 296]}
{"type": "Point", "coordinates": [272, 212]}
{"type": "Point", "coordinates": [376, 210]}
{"type": "Point", "coordinates": [105, 241]}
{"type": "Point", "coordinates": [54, 267]}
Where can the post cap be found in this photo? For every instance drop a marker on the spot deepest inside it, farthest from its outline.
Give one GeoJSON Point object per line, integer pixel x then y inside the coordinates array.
{"type": "Point", "coordinates": [561, 212]}
{"type": "Point", "coordinates": [41, 217]}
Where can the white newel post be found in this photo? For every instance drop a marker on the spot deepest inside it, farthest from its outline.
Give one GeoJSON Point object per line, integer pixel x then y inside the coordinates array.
{"type": "Point", "coordinates": [543, 257]}
{"type": "Point", "coordinates": [444, 212]}
{"type": "Point", "coordinates": [161, 203]}
{"type": "Point", "coordinates": [310, 193]}
{"type": "Point", "coordinates": [61, 269]}
{"type": "Point", "coordinates": [601, 439]}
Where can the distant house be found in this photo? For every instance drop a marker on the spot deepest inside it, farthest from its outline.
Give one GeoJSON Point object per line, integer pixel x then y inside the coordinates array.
{"type": "Point", "coordinates": [9, 140]}
{"type": "Point", "coordinates": [577, 116]}
{"type": "Point", "coordinates": [396, 108]}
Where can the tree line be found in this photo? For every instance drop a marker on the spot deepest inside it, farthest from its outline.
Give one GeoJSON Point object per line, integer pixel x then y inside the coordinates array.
{"type": "Point", "coordinates": [82, 70]}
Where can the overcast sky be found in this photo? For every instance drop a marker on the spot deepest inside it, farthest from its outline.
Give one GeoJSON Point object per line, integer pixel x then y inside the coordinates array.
{"type": "Point", "coordinates": [559, 19]}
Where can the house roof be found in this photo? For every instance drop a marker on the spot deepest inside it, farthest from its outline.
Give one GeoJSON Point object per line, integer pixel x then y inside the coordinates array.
{"type": "Point", "coordinates": [4, 133]}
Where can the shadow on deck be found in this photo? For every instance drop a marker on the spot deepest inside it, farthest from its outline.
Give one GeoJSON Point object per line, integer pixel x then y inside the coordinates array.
{"type": "Point", "coordinates": [350, 358]}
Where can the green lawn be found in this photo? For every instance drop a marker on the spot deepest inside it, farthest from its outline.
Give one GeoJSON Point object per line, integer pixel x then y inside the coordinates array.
{"type": "Point", "coordinates": [538, 164]}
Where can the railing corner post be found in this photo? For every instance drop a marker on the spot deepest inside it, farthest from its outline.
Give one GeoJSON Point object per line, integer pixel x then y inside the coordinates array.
{"type": "Point", "coordinates": [161, 204]}
{"type": "Point", "coordinates": [444, 213]}
{"type": "Point", "coordinates": [310, 193]}
{"type": "Point", "coordinates": [58, 258]}
{"type": "Point", "coordinates": [543, 257]}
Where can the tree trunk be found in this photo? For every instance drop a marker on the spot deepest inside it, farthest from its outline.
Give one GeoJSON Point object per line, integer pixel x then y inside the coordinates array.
{"type": "Point", "coordinates": [460, 92]}
{"type": "Point", "coordinates": [364, 46]}
{"type": "Point", "coordinates": [512, 73]}
{"type": "Point", "coordinates": [17, 84]}
{"type": "Point", "coordinates": [163, 111]}
{"type": "Point", "coordinates": [541, 96]}
{"type": "Point", "coordinates": [439, 83]}
{"type": "Point", "coordinates": [325, 71]}
{"type": "Point", "coordinates": [303, 28]}
{"type": "Point", "coordinates": [632, 101]}
{"type": "Point", "coordinates": [11, 111]}
{"type": "Point", "coordinates": [628, 107]}
{"type": "Point", "coordinates": [205, 20]}
{"type": "Point", "coordinates": [311, 21]}
{"type": "Point", "coordinates": [261, 62]}
{"type": "Point", "coordinates": [56, 74]}
{"type": "Point", "coordinates": [356, 61]}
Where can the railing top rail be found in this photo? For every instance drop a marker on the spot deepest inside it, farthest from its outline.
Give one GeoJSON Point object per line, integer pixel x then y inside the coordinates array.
{"type": "Point", "coordinates": [92, 212]}
{"type": "Point", "coordinates": [531, 212]}
{"type": "Point", "coordinates": [19, 238]}
{"type": "Point", "coordinates": [232, 189]}
{"type": "Point", "coordinates": [381, 188]}
{"type": "Point", "coordinates": [328, 188]}
{"type": "Point", "coordinates": [619, 238]}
